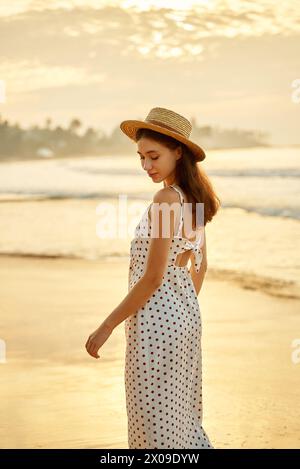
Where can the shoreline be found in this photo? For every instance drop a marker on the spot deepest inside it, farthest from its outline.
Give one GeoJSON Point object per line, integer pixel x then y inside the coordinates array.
{"type": "Point", "coordinates": [275, 287]}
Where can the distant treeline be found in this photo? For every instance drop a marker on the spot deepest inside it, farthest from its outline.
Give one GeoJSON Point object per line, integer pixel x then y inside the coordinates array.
{"type": "Point", "coordinates": [50, 140]}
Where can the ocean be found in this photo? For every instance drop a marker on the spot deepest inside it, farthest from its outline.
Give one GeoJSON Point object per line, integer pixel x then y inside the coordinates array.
{"type": "Point", "coordinates": [88, 207]}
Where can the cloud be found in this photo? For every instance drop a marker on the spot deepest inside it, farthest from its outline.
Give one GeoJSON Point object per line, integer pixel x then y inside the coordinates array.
{"type": "Point", "coordinates": [24, 76]}
{"type": "Point", "coordinates": [129, 32]}
{"type": "Point", "coordinates": [93, 62]}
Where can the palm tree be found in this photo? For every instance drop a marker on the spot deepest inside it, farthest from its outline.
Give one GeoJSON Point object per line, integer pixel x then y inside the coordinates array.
{"type": "Point", "coordinates": [75, 125]}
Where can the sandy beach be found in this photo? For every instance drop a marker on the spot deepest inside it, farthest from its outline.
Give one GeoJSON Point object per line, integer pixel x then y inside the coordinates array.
{"type": "Point", "coordinates": [54, 395]}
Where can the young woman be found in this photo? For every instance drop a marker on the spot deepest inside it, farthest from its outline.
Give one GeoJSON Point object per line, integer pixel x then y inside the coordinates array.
{"type": "Point", "coordinates": [163, 364]}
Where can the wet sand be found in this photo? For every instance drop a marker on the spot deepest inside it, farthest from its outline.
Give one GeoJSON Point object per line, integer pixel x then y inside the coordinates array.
{"type": "Point", "coordinates": [54, 395]}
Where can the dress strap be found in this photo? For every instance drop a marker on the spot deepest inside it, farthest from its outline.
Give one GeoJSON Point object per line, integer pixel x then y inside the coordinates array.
{"type": "Point", "coordinates": [177, 189]}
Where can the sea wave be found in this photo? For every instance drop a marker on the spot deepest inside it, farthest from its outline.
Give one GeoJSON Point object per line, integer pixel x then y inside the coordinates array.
{"type": "Point", "coordinates": [257, 173]}
{"type": "Point", "coordinates": [280, 288]}
{"type": "Point", "coordinates": [292, 212]}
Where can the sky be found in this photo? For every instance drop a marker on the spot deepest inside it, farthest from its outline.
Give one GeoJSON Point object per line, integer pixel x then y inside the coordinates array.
{"type": "Point", "coordinates": [223, 62]}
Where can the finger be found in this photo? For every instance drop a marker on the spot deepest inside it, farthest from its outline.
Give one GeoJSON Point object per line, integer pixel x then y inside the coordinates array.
{"type": "Point", "coordinates": [90, 347]}
{"type": "Point", "coordinates": [87, 342]}
{"type": "Point", "coordinates": [91, 353]}
{"type": "Point", "coordinates": [94, 351]}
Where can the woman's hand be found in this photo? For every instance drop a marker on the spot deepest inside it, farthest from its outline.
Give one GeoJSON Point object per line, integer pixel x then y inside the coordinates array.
{"type": "Point", "coordinates": [97, 339]}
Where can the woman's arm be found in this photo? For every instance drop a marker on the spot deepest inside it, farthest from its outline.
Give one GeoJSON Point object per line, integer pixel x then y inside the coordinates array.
{"type": "Point", "coordinates": [153, 276]}
{"type": "Point", "coordinates": [198, 277]}
{"type": "Point", "coordinates": [134, 300]}
{"type": "Point", "coordinates": [156, 262]}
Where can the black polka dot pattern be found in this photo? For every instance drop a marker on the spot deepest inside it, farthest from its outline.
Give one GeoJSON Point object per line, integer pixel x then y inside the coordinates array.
{"type": "Point", "coordinates": [163, 361]}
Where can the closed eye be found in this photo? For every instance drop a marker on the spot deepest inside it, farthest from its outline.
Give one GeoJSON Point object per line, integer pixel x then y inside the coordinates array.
{"type": "Point", "coordinates": [141, 158]}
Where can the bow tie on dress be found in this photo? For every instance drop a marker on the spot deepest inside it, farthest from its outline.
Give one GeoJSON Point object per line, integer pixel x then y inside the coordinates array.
{"type": "Point", "coordinates": [197, 252]}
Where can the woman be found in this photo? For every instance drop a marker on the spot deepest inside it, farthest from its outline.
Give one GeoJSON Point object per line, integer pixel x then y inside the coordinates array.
{"type": "Point", "coordinates": [163, 370]}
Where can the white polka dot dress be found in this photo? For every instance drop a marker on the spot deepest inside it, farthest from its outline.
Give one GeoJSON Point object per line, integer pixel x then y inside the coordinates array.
{"type": "Point", "coordinates": [163, 364]}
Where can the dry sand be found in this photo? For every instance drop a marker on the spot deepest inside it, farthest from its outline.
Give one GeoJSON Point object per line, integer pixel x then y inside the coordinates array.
{"type": "Point", "coordinates": [54, 395]}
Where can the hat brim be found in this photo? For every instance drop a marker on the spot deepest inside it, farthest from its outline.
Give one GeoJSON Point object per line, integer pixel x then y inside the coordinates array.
{"type": "Point", "coordinates": [130, 127]}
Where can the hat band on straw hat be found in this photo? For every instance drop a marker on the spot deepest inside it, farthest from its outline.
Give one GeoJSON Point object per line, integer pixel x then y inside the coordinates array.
{"type": "Point", "coordinates": [161, 124]}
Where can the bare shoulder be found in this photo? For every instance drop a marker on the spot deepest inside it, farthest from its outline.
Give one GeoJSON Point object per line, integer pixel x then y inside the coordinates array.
{"type": "Point", "coordinates": [166, 194]}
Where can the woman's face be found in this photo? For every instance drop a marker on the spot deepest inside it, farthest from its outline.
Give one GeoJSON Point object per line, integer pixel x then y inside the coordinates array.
{"type": "Point", "coordinates": [158, 160]}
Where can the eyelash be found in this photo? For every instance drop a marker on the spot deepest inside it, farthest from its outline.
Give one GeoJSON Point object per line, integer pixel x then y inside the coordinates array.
{"type": "Point", "coordinates": [151, 158]}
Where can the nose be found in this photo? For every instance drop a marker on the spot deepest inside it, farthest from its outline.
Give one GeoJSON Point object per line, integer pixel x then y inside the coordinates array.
{"type": "Point", "coordinates": [147, 164]}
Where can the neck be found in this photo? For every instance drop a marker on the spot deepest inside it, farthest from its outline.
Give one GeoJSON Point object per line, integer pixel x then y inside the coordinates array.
{"type": "Point", "coordinates": [167, 183]}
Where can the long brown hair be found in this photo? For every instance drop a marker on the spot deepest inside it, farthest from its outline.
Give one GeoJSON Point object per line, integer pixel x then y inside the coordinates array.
{"type": "Point", "coordinates": [190, 176]}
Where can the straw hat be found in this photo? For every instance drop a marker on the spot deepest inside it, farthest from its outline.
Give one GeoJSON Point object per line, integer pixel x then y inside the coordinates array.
{"type": "Point", "coordinates": [165, 122]}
